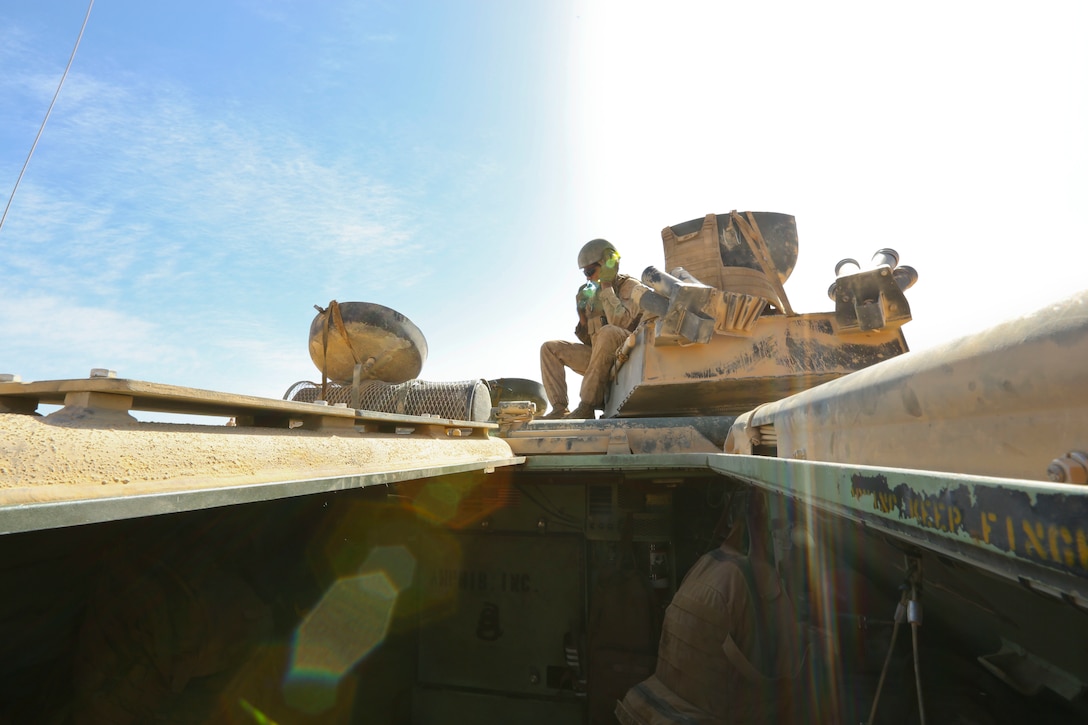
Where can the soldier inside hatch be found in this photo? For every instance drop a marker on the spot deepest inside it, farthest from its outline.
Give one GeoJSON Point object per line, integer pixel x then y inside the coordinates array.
{"type": "Point", "coordinates": [730, 650]}
{"type": "Point", "coordinates": [607, 313]}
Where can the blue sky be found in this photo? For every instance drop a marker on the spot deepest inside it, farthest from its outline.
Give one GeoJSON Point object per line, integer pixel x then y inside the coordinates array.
{"type": "Point", "coordinates": [212, 170]}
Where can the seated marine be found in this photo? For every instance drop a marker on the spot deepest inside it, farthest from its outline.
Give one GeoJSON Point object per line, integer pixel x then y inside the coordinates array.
{"type": "Point", "coordinates": [608, 312]}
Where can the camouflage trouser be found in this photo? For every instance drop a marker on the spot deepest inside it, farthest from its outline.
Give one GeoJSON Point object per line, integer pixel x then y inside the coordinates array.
{"type": "Point", "coordinates": [593, 363]}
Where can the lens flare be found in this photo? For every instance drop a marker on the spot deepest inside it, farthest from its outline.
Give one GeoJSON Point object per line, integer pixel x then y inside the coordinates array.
{"type": "Point", "coordinates": [258, 717]}
{"type": "Point", "coordinates": [440, 500]}
{"type": "Point", "coordinates": [348, 623]}
{"type": "Point", "coordinates": [396, 562]}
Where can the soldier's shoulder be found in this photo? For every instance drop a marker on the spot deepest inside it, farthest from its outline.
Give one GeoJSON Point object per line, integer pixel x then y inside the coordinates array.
{"type": "Point", "coordinates": [625, 284]}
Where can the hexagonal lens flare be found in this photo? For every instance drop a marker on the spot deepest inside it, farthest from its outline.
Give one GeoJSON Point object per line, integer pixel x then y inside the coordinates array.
{"type": "Point", "coordinates": [349, 622]}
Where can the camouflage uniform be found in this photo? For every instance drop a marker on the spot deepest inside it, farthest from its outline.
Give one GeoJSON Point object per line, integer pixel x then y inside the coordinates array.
{"type": "Point", "coordinates": [611, 314]}
{"type": "Point", "coordinates": [727, 655]}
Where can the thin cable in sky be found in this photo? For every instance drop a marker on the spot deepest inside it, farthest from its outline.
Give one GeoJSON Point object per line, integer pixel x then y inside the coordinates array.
{"type": "Point", "coordinates": [47, 112]}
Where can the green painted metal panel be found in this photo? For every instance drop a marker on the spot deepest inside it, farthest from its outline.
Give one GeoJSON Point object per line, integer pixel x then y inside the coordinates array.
{"type": "Point", "coordinates": [506, 601]}
{"type": "Point", "coordinates": [1028, 531]}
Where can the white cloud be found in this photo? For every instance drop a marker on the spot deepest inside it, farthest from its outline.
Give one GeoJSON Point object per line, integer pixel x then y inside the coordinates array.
{"type": "Point", "coordinates": [145, 163]}
{"type": "Point", "coordinates": [63, 339]}
{"type": "Point", "coordinates": [142, 216]}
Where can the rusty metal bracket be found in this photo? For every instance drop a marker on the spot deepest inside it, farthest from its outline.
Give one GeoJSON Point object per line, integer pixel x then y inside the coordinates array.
{"type": "Point", "coordinates": [1070, 468]}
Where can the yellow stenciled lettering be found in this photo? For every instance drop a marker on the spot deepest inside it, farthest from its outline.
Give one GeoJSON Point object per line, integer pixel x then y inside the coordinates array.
{"type": "Point", "coordinates": [1062, 553]}
{"type": "Point", "coordinates": [987, 518]}
{"type": "Point", "coordinates": [915, 509]}
{"type": "Point", "coordinates": [937, 509]}
{"type": "Point", "coordinates": [926, 515]}
{"type": "Point", "coordinates": [1011, 533]}
{"type": "Point", "coordinates": [1082, 548]}
{"type": "Point", "coordinates": [955, 518]}
{"type": "Point", "coordinates": [1033, 539]}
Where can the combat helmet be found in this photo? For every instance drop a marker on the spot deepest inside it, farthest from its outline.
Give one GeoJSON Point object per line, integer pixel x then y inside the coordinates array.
{"type": "Point", "coordinates": [594, 251]}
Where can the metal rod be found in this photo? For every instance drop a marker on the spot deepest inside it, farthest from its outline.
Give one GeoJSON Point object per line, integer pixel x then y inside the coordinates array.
{"type": "Point", "coordinates": [899, 609]}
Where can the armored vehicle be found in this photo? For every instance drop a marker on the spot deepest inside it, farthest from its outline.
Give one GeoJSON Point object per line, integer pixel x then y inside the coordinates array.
{"type": "Point", "coordinates": [378, 549]}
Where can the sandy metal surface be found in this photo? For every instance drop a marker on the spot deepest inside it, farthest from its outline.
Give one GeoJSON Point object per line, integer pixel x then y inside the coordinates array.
{"type": "Point", "coordinates": [40, 461]}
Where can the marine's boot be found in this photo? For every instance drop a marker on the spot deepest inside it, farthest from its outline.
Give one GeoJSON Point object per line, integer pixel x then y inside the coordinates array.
{"type": "Point", "coordinates": [584, 411]}
{"type": "Point", "coordinates": [560, 412]}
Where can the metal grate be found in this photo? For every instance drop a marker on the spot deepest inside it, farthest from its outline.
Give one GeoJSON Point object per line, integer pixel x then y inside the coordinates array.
{"type": "Point", "coordinates": [600, 500]}
{"type": "Point", "coordinates": [464, 400]}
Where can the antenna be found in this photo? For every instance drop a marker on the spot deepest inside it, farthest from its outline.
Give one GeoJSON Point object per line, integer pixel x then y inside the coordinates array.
{"type": "Point", "coordinates": [48, 111]}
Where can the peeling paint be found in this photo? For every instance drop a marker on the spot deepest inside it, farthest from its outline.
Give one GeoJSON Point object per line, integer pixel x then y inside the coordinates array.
{"type": "Point", "coordinates": [1044, 527]}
